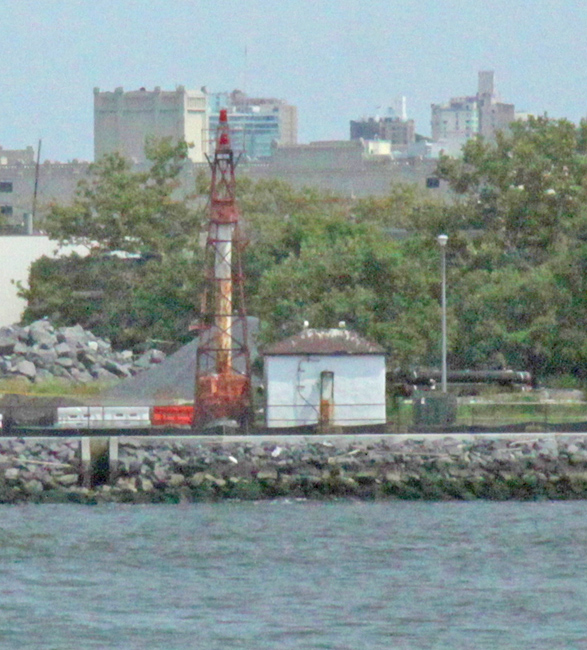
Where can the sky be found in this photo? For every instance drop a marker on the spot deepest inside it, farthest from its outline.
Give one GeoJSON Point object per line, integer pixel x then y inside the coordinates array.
{"type": "Point", "coordinates": [336, 60]}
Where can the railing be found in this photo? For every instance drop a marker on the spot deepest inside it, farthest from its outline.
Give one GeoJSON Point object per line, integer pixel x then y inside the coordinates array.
{"type": "Point", "coordinates": [481, 415]}
{"type": "Point", "coordinates": [504, 415]}
{"type": "Point", "coordinates": [544, 415]}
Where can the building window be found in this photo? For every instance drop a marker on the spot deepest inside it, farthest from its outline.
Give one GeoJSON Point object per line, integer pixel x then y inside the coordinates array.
{"type": "Point", "coordinates": [6, 210]}
{"type": "Point", "coordinates": [5, 186]}
{"type": "Point", "coordinates": [432, 182]}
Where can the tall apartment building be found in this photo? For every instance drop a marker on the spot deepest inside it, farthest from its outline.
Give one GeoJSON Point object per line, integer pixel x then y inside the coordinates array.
{"type": "Point", "coordinates": [124, 120]}
{"type": "Point", "coordinates": [494, 115]}
{"type": "Point", "coordinates": [458, 119]}
{"type": "Point", "coordinates": [464, 117]}
{"type": "Point", "coordinates": [256, 123]}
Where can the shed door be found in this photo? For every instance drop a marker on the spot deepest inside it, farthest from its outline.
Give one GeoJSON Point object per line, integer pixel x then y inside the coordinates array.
{"type": "Point", "coordinates": [326, 397]}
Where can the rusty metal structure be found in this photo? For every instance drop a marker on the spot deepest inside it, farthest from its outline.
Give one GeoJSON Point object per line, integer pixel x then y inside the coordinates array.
{"type": "Point", "coordinates": [223, 371]}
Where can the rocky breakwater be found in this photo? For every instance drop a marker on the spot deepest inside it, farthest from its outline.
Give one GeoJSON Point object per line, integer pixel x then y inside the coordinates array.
{"type": "Point", "coordinates": [40, 470]}
{"type": "Point", "coordinates": [549, 466]}
{"type": "Point", "coordinates": [40, 352]}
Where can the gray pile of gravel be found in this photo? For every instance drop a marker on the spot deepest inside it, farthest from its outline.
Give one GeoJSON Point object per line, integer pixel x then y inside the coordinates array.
{"type": "Point", "coordinates": [173, 380]}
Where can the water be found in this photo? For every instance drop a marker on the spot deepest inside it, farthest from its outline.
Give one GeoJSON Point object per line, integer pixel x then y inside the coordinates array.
{"type": "Point", "coordinates": [285, 575]}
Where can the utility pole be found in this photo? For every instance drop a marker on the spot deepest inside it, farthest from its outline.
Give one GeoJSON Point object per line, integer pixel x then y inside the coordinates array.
{"type": "Point", "coordinates": [442, 240]}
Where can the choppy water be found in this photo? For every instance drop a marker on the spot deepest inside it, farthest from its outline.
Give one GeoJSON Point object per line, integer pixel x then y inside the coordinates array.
{"type": "Point", "coordinates": [286, 575]}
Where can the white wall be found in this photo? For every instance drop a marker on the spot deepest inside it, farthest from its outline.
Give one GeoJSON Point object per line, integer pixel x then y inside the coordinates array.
{"type": "Point", "coordinates": [16, 256]}
{"type": "Point", "coordinates": [293, 389]}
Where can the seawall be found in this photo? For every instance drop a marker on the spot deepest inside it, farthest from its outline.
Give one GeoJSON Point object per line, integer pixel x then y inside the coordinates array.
{"type": "Point", "coordinates": [155, 470]}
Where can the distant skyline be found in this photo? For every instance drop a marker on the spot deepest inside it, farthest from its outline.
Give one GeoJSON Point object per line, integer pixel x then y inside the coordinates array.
{"type": "Point", "coordinates": [336, 60]}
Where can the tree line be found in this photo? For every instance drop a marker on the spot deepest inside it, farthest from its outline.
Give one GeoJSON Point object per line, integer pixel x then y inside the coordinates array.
{"type": "Point", "coordinates": [516, 255]}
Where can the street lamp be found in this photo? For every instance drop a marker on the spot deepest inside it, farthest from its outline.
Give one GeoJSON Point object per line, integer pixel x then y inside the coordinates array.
{"type": "Point", "coordinates": [442, 239]}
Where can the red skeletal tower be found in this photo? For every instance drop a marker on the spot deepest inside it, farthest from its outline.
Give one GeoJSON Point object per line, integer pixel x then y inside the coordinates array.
{"type": "Point", "coordinates": [223, 372]}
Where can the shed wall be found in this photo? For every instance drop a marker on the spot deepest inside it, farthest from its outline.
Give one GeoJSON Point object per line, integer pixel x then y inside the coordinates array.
{"type": "Point", "coordinates": [293, 389]}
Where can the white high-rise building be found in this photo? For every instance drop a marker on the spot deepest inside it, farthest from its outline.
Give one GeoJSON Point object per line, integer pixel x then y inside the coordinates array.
{"type": "Point", "coordinates": [124, 120]}
{"type": "Point", "coordinates": [461, 118]}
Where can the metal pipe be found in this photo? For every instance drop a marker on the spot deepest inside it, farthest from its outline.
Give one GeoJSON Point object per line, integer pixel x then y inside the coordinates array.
{"type": "Point", "coordinates": [442, 240]}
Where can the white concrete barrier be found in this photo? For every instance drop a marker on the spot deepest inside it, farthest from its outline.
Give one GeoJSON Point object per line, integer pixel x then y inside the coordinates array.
{"type": "Point", "coordinates": [73, 416]}
{"type": "Point", "coordinates": [94, 417]}
{"type": "Point", "coordinates": [127, 416]}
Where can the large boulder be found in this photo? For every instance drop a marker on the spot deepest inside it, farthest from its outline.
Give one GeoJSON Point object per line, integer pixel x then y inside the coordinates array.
{"type": "Point", "coordinates": [39, 352]}
{"type": "Point", "coordinates": [25, 368]}
{"type": "Point", "coordinates": [42, 334]}
{"type": "Point", "coordinates": [7, 343]}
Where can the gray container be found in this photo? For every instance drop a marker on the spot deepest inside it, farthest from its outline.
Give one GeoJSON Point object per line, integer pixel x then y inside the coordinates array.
{"type": "Point", "coordinates": [436, 409]}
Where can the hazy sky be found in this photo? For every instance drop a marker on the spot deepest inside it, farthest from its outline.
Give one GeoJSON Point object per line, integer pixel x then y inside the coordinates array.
{"type": "Point", "coordinates": [336, 60]}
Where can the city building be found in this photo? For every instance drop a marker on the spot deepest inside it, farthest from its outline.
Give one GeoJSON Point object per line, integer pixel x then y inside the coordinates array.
{"type": "Point", "coordinates": [256, 123]}
{"type": "Point", "coordinates": [27, 190]}
{"type": "Point", "coordinates": [394, 127]}
{"type": "Point", "coordinates": [317, 156]}
{"type": "Point", "coordinates": [461, 118]}
{"type": "Point", "coordinates": [52, 181]}
{"type": "Point", "coordinates": [17, 156]}
{"type": "Point", "coordinates": [494, 115]}
{"type": "Point", "coordinates": [124, 120]}
{"type": "Point", "coordinates": [12, 209]}
{"type": "Point", "coordinates": [350, 167]}
{"type": "Point", "coordinates": [457, 120]}
{"type": "Point", "coordinates": [400, 133]}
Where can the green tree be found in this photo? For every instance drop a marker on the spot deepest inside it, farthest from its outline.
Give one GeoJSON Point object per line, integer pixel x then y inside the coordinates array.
{"type": "Point", "coordinates": [527, 189]}
{"type": "Point", "coordinates": [117, 209]}
{"type": "Point", "coordinates": [507, 317]}
{"type": "Point", "coordinates": [518, 286]}
{"type": "Point", "coordinates": [406, 206]}
{"type": "Point", "coordinates": [355, 275]}
{"type": "Point", "coordinates": [142, 275]}
{"type": "Point", "coordinates": [277, 220]}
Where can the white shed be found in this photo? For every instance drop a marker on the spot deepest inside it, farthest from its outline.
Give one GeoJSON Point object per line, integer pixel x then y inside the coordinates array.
{"type": "Point", "coordinates": [329, 377]}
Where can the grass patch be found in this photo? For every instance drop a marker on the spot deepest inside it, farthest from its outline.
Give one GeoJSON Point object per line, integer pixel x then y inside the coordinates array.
{"type": "Point", "coordinates": [55, 387]}
{"type": "Point", "coordinates": [565, 382]}
{"type": "Point", "coordinates": [503, 413]}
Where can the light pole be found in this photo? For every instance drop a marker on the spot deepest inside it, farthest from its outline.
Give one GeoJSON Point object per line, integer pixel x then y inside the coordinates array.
{"type": "Point", "coordinates": [442, 239]}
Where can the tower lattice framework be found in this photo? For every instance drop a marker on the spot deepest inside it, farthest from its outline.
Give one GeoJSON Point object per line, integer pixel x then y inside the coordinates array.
{"type": "Point", "coordinates": [223, 372]}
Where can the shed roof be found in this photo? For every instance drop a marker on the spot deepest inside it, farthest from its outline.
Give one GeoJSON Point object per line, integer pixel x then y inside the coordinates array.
{"type": "Point", "coordinates": [324, 342]}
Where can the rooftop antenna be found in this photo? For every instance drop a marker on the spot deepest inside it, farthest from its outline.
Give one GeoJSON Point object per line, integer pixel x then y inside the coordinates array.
{"type": "Point", "coordinates": [246, 70]}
